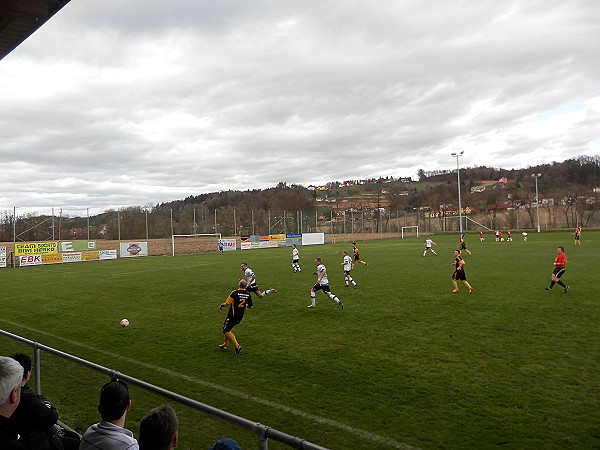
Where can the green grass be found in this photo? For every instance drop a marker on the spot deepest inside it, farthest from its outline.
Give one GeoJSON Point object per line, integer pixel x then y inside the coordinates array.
{"type": "Point", "coordinates": [405, 363]}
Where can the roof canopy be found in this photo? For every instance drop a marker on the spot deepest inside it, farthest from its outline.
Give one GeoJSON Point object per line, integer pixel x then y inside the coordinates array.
{"type": "Point", "coordinates": [19, 19]}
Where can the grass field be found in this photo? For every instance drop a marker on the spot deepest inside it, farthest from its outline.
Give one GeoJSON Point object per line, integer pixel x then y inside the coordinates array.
{"type": "Point", "coordinates": [405, 364]}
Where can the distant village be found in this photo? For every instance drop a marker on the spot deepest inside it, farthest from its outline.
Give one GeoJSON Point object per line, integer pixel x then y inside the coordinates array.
{"type": "Point", "coordinates": [349, 183]}
{"type": "Point", "coordinates": [508, 203]}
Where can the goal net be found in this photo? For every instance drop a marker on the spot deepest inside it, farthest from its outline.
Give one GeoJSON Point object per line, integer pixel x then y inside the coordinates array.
{"type": "Point", "coordinates": [412, 231]}
{"type": "Point", "coordinates": [195, 243]}
{"type": "Point", "coordinates": [451, 223]}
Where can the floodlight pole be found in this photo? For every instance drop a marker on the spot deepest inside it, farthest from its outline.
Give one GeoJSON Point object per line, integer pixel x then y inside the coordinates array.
{"type": "Point", "coordinates": [14, 226]}
{"type": "Point", "coordinates": [537, 200]}
{"type": "Point", "coordinates": [458, 155]}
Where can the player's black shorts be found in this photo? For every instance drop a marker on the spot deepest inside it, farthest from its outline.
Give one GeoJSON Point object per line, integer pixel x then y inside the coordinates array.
{"type": "Point", "coordinates": [463, 246]}
{"type": "Point", "coordinates": [254, 289]}
{"type": "Point", "coordinates": [295, 260]}
{"type": "Point", "coordinates": [356, 257]}
{"type": "Point", "coordinates": [321, 287]}
{"type": "Point", "coordinates": [559, 271]}
{"type": "Point", "coordinates": [231, 322]}
{"type": "Point", "coordinates": [459, 275]}
{"type": "Point", "coordinates": [347, 272]}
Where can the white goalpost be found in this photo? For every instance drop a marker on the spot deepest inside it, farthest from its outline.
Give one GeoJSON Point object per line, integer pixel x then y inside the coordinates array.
{"type": "Point", "coordinates": [203, 241]}
{"type": "Point", "coordinates": [412, 227]}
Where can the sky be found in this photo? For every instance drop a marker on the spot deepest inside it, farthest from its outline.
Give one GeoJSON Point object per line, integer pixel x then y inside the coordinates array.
{"type": "Point", "coordinates": [118, 103]}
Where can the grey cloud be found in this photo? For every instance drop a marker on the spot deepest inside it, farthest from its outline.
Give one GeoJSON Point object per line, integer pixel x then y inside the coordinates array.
{"type": "Point", "coordinates": [144, 102]}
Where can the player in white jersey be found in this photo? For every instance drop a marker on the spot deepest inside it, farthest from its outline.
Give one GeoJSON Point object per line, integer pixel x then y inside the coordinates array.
{"type": "Point", "coordinates": [252, 287]}
{"type": "Point", "coordinates": [428, 247]}
{"type": "Point", "coordinates": [295, 259]}
{"type": "Point", "coordinates": [347, 263]}
{"type": "Point", "coordinates": [322, 284]}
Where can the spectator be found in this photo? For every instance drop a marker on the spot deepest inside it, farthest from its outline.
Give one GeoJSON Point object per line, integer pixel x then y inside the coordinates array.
{"type": "Point", "coordinates": [158, 430]}
{"type": "Point", "coordinates": [11, 375]}
{"type": "Point", "coordinates": [34, 416]}
{"type": "Point", "coordinates": [110, 433]}
{"type": "Point", "coordinates": [226, 444]}
{"type": "Point", "coordinates": [35, 419]}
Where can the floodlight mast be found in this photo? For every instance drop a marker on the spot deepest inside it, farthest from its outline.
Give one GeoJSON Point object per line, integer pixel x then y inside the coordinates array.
{"type": "Point", "coordinates": [537, 200]}
{"type": "Point", "coordinates": [458, 155]}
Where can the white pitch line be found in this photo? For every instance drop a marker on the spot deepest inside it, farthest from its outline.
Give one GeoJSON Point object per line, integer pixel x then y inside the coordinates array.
{"type": "Point", "coordinates": [322, 420]}
{"type": "Point", "coordinates": [162, 269]}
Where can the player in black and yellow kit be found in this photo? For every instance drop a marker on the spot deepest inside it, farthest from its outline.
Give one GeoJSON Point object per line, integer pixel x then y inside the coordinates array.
{"type": "Point", "coordinates": [578, 236]}
{"type": "Point", "coordinates": [357, 256]}
{"type": "Point", "coordinates": [237, 302]}
{"type": "Point", "coordinates": [459, 272]}
{"type": "Point", "coordinates": [463, 244]}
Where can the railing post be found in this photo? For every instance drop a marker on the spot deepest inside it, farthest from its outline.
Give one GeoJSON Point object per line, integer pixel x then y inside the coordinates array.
{"type": "Point", "coordinates": [38, 368]}
{"type": "Point", "coordinates": [261, 432]}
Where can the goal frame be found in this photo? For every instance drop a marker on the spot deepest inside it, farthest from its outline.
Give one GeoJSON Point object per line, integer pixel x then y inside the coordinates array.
{"type": "Point", "coordinates": [173, 236]}
{"type": "Point", "coordinates": [409, 227]}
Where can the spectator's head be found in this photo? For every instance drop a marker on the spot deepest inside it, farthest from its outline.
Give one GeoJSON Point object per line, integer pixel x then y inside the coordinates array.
{"type": "Point", "coordinates": [114, 400]}
{"type": "Point", "coordinates": [158, 430]}
{"type": "Point", "coordinates": [25, 362]}
{"type": "Point", "coordinates": [226, 444]}
{"type": "Point", "coordinates": [11, 376]}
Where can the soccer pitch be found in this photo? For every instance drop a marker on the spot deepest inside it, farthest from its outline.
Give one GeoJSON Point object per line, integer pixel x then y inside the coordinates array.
{"type": "Point", "coordinates": [407, 363]}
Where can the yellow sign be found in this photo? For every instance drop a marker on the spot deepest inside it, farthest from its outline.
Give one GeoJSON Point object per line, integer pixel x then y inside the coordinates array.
{"type": "Point", "coordinates": [90, 256]}
{"type": "Point", "coordinates": [36, 248]}
{"type": "Point", "coordinates": [273, 237]}
{"type": "Point", "coordinates": [52, 258]}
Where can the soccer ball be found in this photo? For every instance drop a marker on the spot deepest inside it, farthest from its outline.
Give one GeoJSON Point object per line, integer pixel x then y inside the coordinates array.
{"type": "Point", "coordinates": [124, 323]}
{"type": "Point", "coordinates": [524, 234]}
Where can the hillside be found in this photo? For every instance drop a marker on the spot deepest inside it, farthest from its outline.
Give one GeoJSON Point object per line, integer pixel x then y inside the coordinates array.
{"type": "Point", "coordinates": [573, 184]}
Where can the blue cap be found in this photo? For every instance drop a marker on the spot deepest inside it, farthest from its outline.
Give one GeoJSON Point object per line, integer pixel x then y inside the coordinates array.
{"type": "Point", "coordinates": [226, 444]}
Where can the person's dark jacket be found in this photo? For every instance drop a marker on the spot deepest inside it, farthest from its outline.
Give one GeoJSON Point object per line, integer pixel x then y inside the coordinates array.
{"type": "Point", "coordinates": [8, 437]}
{"type": "Point", "coordinates": [33, 420]}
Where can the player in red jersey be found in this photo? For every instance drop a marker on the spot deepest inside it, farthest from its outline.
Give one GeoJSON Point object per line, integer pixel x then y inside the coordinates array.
{"type": "Point", "coordinates": [560, 267]}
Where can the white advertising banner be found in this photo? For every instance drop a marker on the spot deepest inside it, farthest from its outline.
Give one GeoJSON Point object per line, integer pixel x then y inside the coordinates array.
{"type": "Point", "coordinates": [107, 254]}
{"type": "Point", "coordinates": [313, 238]}
{"type": "Point", "coordinates": [2, 256]}
{"type": "Point", "coordinates": [30, 260]}
{"type": "Point", "coordinates": [133, 249]}
{"type": "Point", "coordinates": [71, 257]}
{"type": "Point", "coordinates": [229, 245]}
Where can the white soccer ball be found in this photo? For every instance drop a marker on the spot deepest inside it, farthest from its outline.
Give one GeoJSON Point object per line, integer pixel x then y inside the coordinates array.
{"type": "Point", "coordinates": [124, 323]}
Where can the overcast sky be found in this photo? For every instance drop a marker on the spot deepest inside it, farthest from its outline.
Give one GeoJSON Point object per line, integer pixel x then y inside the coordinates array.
{"type": "Point", "coordinates": [118, 103]}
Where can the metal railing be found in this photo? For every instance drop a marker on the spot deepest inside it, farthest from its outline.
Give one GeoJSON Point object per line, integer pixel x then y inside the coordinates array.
{"type": "Point", "coordinates": [263, 432]}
